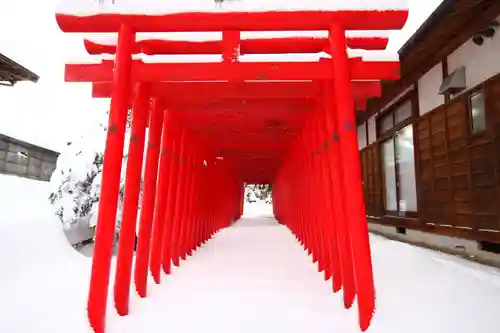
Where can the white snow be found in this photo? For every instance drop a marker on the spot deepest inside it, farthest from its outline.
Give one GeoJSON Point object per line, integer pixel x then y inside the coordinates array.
{"type": "Point", "coordinates": [92, 7]}
{"type": "Point", "coordinates": [252, 277]}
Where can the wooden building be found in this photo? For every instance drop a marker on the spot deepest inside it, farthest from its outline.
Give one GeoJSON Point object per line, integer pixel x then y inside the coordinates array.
{"type": "Point", "coordinates": [19, 157]}
{"type": "Point", "coordinates": [27, 160]}
{"type": "Point", "coordinates": [430, 146]}
{"type": "Point", "coordinates": [11, 72]}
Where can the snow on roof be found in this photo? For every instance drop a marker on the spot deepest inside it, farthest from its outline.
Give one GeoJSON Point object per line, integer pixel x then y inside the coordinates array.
{"type": "Point", "coordinates": [155, 7]}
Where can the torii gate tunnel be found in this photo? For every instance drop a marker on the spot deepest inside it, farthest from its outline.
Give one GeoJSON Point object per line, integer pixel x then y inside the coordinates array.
{"type": "Point", "coordinates": [219, 125]}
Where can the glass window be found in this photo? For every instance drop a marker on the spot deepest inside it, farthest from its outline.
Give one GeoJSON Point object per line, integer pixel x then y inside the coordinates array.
{"type": "Point", "coordinates": [403, 112]}
{"type": "Point", "coordinates": [386, 123]}
{"type": "Point", "coordinates": [362, 136]}
{"type": "Point", "coordinates": [405, 160]}
{"type": "Point", "coordinates": [389, 175]}
{"type": "Point", "coordinates": [372, 132]}
{"type": "Point", "coordinates": [477, 112]}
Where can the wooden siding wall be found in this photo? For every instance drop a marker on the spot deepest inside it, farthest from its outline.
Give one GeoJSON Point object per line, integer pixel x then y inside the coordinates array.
{"type": "Point", "coordinates": [457, 173]}
{"type": "Point", "coordinates": [370, 168]}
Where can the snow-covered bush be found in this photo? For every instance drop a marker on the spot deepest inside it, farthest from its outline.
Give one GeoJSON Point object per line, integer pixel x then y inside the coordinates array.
{"type": "Point", "coordinates": [76, 181]}
{"type": "Point", "coordinates": [258, 192]}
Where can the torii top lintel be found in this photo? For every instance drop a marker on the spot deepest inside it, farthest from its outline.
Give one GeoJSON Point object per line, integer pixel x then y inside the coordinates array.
{"type": "Point", "coordinates": [246, 46]}
{"type": "Point", "coordinates": [241, 21]}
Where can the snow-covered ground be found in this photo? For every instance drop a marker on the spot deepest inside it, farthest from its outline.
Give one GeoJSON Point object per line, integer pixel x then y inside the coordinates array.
{"type": "Point", "coordinates": [252, 277]}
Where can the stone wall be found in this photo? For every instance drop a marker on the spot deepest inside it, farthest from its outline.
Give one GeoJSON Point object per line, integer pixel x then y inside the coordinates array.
{"type": "Point", "coordinates": [26, 160]}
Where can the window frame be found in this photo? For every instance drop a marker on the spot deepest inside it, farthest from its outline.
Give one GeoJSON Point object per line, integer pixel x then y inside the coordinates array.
{"type": "Point", "coordinates": [478, 91]}
{"type": "Point", "coordinates": [398, 212]}
{"type": "Point", "coordinates": [391, 134]}
{"type": "Point", "coordinates": [382, 136]}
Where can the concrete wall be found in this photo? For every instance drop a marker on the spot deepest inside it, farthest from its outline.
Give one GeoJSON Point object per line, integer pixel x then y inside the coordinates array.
{"type": "Point", "coordinates": [480, 62]}
{"type": "Point", "coordinates": [428, 89]}
{"type": "Point", "coordinates": [26, 160]}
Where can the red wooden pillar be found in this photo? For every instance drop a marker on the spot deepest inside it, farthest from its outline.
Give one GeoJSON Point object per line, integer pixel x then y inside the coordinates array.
{"type": "Point", "coordinates": [352, 177]}
{"type": "Point", "coordinates": [231, 42]}
{"type": "Point", "coordinates": [110, 187]}
{"type": "Point", "coordinates": [204, 204]}
{"type": "Point", "coordinates": [148, 198]}
{"type": "Point", "coordinates": [189, 241]}
{"type": "Point", "coordinates": [181, 183]}
{"type": "Point", "coordinates": [184, 198]}
{"type": "Point", "coordinates": [338, 194]}
{"type": "Point", "coordinates": [325, 212]}
{"type": "Point", "coordinates": [171, 199]}
{"type": "Point", "coordinates": [314, 242]}
{"type": "Point", "coordinates": [333, 197]}
{"type": "Point", "coordinates": [131, 199]}
{"type": "Point", "coordinates": [302, 170]}
{"type": "Point", "coordinates": [161, 200]}
{"type": "Point", "coordinates": [186, 213]}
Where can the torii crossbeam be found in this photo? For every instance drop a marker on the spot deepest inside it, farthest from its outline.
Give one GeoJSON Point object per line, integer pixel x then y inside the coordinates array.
{"type": "Point", "coordinates": [291, 124]}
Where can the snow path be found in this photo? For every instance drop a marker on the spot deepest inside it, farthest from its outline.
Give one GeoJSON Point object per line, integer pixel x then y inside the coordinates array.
{"type": "Point", "coordinates": [252, 277]}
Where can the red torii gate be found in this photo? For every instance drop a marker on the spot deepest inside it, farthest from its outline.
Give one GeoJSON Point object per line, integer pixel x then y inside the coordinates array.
{"type": "Point", "coordinates": [207, 128]}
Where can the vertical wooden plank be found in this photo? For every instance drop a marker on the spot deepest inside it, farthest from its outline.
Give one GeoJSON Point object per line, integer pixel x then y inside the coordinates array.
{"type": "Point", "coordinates": [448, 208]}
{"type": "Point", "coordinates": [469, 167]}
{"type": "Point", "coordinates": [432, 214]}
{"type": "Point", "coordinates": [416, 145]}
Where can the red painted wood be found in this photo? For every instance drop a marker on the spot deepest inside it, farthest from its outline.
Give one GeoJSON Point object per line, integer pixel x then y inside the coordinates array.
{"type": "Point", "coordinates": [211, 91]}
{"type": "Point", "coordinates": [215, 93]}
{"type": "Point", "coordinates": [148, 198]}
{"type": "Point", "coordinates": [187, 212]}
{"type": "Point", "coordinates": [172, 197]}
{"type": "Point", "coordinates": [329, 243]}
{"type": "Point", "coordinates": [161, 200]}
{"type": "Point", "coordinates": [110, 186]}
{"type": "Point", "coordinates": [230, 46]}
{"type": "Point", "coordinates": [242, 21]}
{"type": "Point", "coordinates": [338, 206]}
{"type": "Point", "coordinates": [188, 237]}
{"type": "Point", "coordinates": [181, 182]}
{"type": "Point", "coordinates": [131, 200]}
{"type": "Point", "coordinates": [352, 178]}
{"type": "Point", "coordinates": [247, 46]}
{"type": "Point", "coordinates": [260, 71]}
{"type": "Point", "coordinates": [299, 136]}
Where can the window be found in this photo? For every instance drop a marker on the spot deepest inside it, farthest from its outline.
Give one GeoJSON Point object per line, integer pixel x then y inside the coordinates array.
{"type": "Point", "coordinates": [372, 130]}
{"type": "Point", "coordinates": [362, 140]}
{"type": "Point", "coordinates": [477, 112]}
{"type": "Point", "coordinates": [398, 160]}
{"type": "Point", "coordinates": [389, 121]}
{"type": "Point", "coordinates": [386, 123]}
{"type": "Point", "coordinates": [389, 161]}
{"type": "Point", "coordinates": [402, 113]}
{"type": "Point", "coordinates": [405, 160]}
{"type": "Point", "coordinates": [399, 173]}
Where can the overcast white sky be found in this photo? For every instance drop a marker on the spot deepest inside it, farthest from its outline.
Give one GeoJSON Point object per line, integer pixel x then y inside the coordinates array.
{"type": "Point", "coordinates": [50, 113]}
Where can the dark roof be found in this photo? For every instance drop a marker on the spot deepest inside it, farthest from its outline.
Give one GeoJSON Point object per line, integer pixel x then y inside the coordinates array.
{"type": "Point", "coordinates": [427, 26]}
{"type": "Point", "coordinates": [11, 72]}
